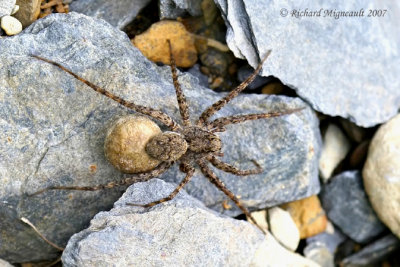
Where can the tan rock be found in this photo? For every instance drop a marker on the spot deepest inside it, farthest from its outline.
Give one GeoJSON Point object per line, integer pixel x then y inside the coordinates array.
{"type": "Point", "coordinates": [153, 43]}
{"type": "Point", "coordinates": [308, 215]}
{"type": "Point", "coordinates": [381, 174]}
{"type": "Point", "coordinates": [125, 144]}
{"type": "Point", "coordinates": [28, 11]}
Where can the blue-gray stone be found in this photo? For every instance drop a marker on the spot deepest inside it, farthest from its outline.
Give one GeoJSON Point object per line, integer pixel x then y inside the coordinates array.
{"type": "Point", "coordinates": [172, 9]}
{"type": "Point", "coordinates": [118, 13]}
{"type": "Point", "coordinates": [53, 129]}
{"type": "Point", "coordinates": [343, 66]}
{"type": "Point", "coordinates": [347, 206]}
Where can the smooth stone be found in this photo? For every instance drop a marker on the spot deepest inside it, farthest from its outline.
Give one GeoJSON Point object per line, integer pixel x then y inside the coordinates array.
{"type": "Point", "coordinates": [381, 174]}
{"type": "Point", "coordinates": [320, 254]}
{"type": "Point", "coordinates": [181, 232]}
{"type": "Point", "coordinates": [334, 150]}
{"type": "Point", "coordinates": [331, 238]}
{"type": "Point", "coordinates": [283, 228]}
{"type": "Point", "coordinates": [373, 253]}
{"type": "Point", "coordinates": [118, 13]}
{"type": "Point", "coordinates": [11, 25]}
{"type": "Point", "coordinates": [54, 126]}
{"type": "Point", "coordinates": [328, 61]}
{"type": "Point", "coordinates": [347, 206]}
{"type": "Point", "coordinates": [6, 7]}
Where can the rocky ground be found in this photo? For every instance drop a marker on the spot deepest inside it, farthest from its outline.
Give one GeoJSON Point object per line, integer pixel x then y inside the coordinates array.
{"type": "Point", "coordinates": [329, 192]}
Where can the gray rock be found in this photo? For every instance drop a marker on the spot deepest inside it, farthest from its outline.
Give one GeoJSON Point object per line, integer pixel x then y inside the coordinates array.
{"type": "Point", "coordinates": [347, 206]}
{"type": "Point", "coordinates": [373, 253]}
{"type": "Point", "coordinates": [381, 174]}
{"type": "Point", "coordinates": [182, 232]}
{"type": "Point", "coordinates": [172, 9]}
{"type": "Point", "coordinates": [320, 254]}
{"type": "Point", "coordinates": [53, 130]}
{"type": "Point", "coordinates": [330, 239]}
{"type": "Point", "coordinates": [117, 13]}
{"type": "Point", "coordinates": [6, 7]}
{"type": "Point", "coordinates": [327, 61]}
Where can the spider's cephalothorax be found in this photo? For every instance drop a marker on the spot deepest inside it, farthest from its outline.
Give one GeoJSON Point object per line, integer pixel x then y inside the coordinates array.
{"type": "Point", "coordinates": [187, 144]}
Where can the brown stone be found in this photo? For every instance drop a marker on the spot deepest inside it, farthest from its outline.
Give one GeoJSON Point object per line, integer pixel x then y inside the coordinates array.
{"type": "Point", "coordinates": [28, 11]}
{"type": "Point", "coordinates": [153, 43]}
{"type": "Point", "coordinates": [308, 215]}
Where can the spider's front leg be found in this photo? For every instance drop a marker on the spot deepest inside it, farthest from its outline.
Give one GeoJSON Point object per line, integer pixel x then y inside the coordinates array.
{"type": "Point", "coordinates": [186, 168]}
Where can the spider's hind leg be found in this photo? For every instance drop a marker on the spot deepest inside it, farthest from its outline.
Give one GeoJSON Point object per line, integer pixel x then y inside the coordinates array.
{"type": "Point", "coordinates": [217, 182]}
{"type": "Point", "coordinates": [189, 170]}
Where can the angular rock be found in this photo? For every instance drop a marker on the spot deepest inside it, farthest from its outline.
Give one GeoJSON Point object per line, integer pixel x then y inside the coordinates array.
{"type": "Point", "coordinates": [320, 254]}
{"type": "Point", "coordinates": [6, 7]}
{"type": "Point", "coordinates": [117, 13]}
{"type": "Point", "coordinates": [335, 148]}
{"type": "Point", "coordinates": [374, 252]}
{"type": "Point", "coordinates": [283, 228]}
{"type": "Point", "coordinates": [330, 239]}
{"type": "Point", "coordinates": [172, 9]}
{"type": "Point", "coordinates": [53, 130]}
{"type": "Point", "coordinates": [181, 232]}
{"type": "Point", "coordinates": [347, 206]}
{"type": "Point", "coordinates": [4, 263]}
{"type": "Point", "coordinates": [381, 174]}
{"type": "Point", "coordinates": [29, 11]}
{"type": "Point", "coordinates": [331, 68]}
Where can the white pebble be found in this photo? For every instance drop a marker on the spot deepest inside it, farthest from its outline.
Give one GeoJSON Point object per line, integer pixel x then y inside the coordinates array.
{"type": "Point", "coordinates": [15, 9]}
{"type": "Point", "coordinates": [11, 25]}
{"type": "Point", "coordinates": [283, 228]}
{"type": "Point", "coordinates": [335, 149]}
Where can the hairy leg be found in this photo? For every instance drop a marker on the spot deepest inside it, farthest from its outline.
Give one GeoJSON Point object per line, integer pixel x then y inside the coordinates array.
{"type": "Point", "coordinates": [222, 102]}
{"type": "Point", "coordinates": [153, 113]}
{"type": "Point", "coordinates": [182, 103]}
{"type": "Point", "coordinates": [217, 125]}
{"type": "Point", "coordinates": [139, 177]}
{"type": "Point", "coordinates": [189, 170]}
{"type": "Point", "coordinates": [232, 169]}
{"type": "Point", "coordinates": [217, 182]}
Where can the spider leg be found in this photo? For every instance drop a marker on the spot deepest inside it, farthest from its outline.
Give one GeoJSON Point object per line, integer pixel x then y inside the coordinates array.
{"type": "Point", "coordinates": [153, 113]}
{"type": "Point", "coordinates": [189, 170]}
{"type": "Point", "coordinates": [182, 103]}
{"type": "Point", "coordinates": [232, 169]}
{"type": "Point", "coordinates": [223, 101]}
{"type": "Point", "coordinates": [221, 122]}
{"type": "Point", "coordinates": [220, 185]}
{"type": "Point", "coordinates": [138, 177]}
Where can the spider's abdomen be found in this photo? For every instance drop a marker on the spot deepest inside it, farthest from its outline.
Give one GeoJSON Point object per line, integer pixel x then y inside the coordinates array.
{"type": "Point", "coordinates": [167, 146]}
{"type": "Point", "coordinates": [202, 141]}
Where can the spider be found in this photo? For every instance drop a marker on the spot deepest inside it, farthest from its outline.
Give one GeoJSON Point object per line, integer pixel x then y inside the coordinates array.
{"type": "Point", "coordinates": [186, 143]}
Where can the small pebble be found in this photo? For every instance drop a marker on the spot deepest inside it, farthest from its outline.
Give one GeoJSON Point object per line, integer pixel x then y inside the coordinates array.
{"type": "Point", "coordinates": [28, 12]}
{"type": "Point", "coordinates": [335, 148]}
{"type": "Point", "coordinates": [261, 219]}
{"type": "Point", "coordinates": [153, 43]}
{"type": "Point", "coordinates": [318, 253]}
{"type": "Point", "coordinates": [284, 228]}
{"type": "Point", "coordinates": [308, 215]}
{"type": "Point", "coordinates": [11, 25]}
{"type": "Point", "coordinates": [381, 174]}
{"type": "Point", "coordinates": [15, 9]}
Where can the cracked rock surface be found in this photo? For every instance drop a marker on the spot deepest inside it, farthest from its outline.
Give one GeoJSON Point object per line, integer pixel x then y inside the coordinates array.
{"type": "Point", "coordinates": [360, 53]}
{"type": "Point", "coordinates": [53, 129]}
{"type": "Point", "coordinates": [182, 232]}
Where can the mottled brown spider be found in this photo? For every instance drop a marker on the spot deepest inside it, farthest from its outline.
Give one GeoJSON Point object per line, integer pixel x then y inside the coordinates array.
{"type": "Point", "coordinates": [187, 143]}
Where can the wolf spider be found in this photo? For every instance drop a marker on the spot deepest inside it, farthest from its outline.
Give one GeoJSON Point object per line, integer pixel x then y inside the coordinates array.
{"type": "Point", "coordinates": [188, 143]}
